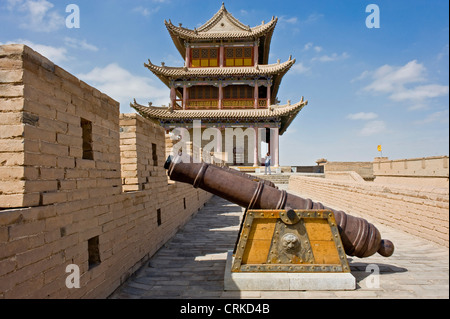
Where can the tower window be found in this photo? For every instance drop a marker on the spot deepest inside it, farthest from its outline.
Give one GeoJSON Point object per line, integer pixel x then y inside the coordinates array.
{"type": "Point", "coordinates": [239, 56]}
{"type": "Point", "coordinates": [205, 57]}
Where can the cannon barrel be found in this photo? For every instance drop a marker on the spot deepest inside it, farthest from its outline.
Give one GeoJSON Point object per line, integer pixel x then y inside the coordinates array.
{"type": "Point", "coordinates": [359, 237]}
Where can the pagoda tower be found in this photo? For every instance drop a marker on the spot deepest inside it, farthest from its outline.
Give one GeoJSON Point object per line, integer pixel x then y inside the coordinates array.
{"type": "Point", "coordinates": [226, 86]}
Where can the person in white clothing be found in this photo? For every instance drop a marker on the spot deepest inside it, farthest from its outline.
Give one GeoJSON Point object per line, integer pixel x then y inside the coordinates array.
{"type": "Point", "coordinates": [267, 164]}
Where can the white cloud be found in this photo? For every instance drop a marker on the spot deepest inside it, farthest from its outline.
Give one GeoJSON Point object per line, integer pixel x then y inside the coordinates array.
{"type": "Point", "coordinates": [444, 53]}
{"type": "Point", "coordinates": [330, 58]}
{"type": "Point", "coordinates": [36, 15]}
{"type": "Point", "coordinates": [284, 19]}
{"type": "Point", "coordinates": [123, 86]}
{"type": "Point", "coordinates": [421, 92]}
{"type": "Point", "coordinates": [299, 68]}
{"type": "Point", "coordinates": [362, 116]}
{"type": "Point", "coordinates": [439, 117]}
{"type": "Point", "coordinates": [373, 127]}
{"type": "Point", "coordinates": [402, 84]}
{"type": "Point", "coordinates": [363, 76]}
{"type": "Point", "coordinates": [54, 54]}
{"type": "Point", "coordinates": [79, 44]}
{"type": "Point", "coordinates": [313, 18]}
{"type": "Point", "coordinates": [310, 45]}
{"type": "Point", "coordinates": [146, 11]}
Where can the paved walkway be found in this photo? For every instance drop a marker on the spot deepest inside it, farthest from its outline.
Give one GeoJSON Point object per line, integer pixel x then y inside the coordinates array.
{"type": "Point", "coordinates": [192, 265]}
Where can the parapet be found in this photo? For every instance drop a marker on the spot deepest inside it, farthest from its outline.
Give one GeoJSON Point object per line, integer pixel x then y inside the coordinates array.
{"type": "Point", "coordinates": [59, 136]}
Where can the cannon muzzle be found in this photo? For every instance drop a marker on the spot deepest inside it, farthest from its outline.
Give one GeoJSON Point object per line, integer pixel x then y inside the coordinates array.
{"type": "Point", "coordinates": [359, 237]}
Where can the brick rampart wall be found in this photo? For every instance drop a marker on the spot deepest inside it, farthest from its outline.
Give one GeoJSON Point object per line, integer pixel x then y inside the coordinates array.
{"type": "Point", "coordinates": [423, 212]}
{"type": "Point", "coordinates": [428, 171]}
{"type": "Point", "coordinates": [65, 155]}
{"type": "Point", "coordinates": [364, 169]}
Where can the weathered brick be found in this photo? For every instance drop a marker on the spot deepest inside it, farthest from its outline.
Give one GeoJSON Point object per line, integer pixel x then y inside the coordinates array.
{"type": "Point", "coordinates": [11, 131]}
{"type": "Point", "coordinates": [11, 119]}
{"type": "Point", "coordinates": [11, 173]}
{"type": "Point", "coordinates": [51, 173]}
{"type": "Point", "coordinates": [54, 149]}
{"type": "Point", "coordinates": [11, 145]}
{"type": "Point", "coordinates": [39, 134]}
{"type": "Point", "coordinates": [68, 118]}
{"type": "Point", "coordinates": [52, 125]}
{"type": "Point", "coordinates": [11, 187]}
{"type": "Point", "coordinates": [65, 162]}
{"type": "Point", "coordinates": [41, 186]}
{"type": "Point", "coordinates": [7, 90]}
{"type": "Point", "coordinates": [7, 266]}
{"type": "Point", "coordinates": [26, 230]}
{"type": "Point", "coordinates": [12, 159]}
{"type": "Point", "coordinates": [69, 140]}
{"type": "Point", "coordinates": [36, 159]}
{"type": "Point", "coordinates": [11, 62]}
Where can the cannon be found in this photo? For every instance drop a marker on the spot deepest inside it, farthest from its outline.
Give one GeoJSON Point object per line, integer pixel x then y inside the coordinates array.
{"type": "Point", "coordinates": [359, 237]}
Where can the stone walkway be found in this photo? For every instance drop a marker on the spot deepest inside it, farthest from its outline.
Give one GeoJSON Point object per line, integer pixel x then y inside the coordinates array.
{"type": "Point", "coordinates": [192, 265]}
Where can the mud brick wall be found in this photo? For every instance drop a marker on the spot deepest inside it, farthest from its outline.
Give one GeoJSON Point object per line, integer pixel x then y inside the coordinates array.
{"type": "Point", "coordinates": [421, 211]}
{"type": "Point", "coordinates": [59, 136]}
{"type": "Point", "coordinates": [64, 153]}
{"type": "Point", "coordinates": [429, 171]}
{"type": "Point", "coordinates": [142, 146]}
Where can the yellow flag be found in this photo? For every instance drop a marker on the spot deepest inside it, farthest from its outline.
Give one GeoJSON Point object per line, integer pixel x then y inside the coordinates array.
{"type": "Point", "coordinates": [380, 148]}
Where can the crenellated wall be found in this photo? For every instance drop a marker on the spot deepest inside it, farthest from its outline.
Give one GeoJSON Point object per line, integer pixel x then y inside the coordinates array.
{"type": "Point", "coordinates": [80, 184]}
{"type": "Point", "coordinates": [428, 171]}
{"type": "Point", "coordinates": [421, 211]}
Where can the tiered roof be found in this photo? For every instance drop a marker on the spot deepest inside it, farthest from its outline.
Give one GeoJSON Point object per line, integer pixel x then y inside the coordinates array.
{"type": "Point", "coordinates": [223, 26]}
{"type": "Point", "coordinates": [285, 113]}
{"type": "Point", "coordinates": [277, 71]}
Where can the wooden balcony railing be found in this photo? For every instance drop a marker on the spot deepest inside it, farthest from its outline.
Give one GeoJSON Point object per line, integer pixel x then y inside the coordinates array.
{"type": "Point", "coordinates": [202, 104]}
{"type": "Point", "coordinates": [226, 104]}
{"type": "Point", "coordinates": [238, 103]}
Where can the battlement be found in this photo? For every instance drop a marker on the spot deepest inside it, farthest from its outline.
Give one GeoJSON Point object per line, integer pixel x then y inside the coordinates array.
{"type": "Point", "coordinates": [79, 184]}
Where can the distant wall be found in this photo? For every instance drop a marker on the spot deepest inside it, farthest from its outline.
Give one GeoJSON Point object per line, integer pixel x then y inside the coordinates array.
{"type": "Point", "coordinates": [78, 184]}
{"type": "Point", "coordinates": [364, 169]}
{"type": "Point", "coordinates": [420, 211]}
{"type": "Point", "coordinates": [430, 171]}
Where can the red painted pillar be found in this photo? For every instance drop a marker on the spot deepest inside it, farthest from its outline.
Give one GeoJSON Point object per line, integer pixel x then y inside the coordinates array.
{"type": "Point", "coordinates": [256, 94]}
{"type": "Point", "coordinates": [222, 56]}
{"type": "Point", "coordinates": [256, 150]}
{"type": "Point", "coordinates": [185, 97]}
{"type": "Point", "coordinates": [188, 56]}
{"type": "Point", "coordinates": [220, 96]}
{"type": "Point", "coordinates": [173, 96]}
{"type": "Point", "coordinates": [269, 92]}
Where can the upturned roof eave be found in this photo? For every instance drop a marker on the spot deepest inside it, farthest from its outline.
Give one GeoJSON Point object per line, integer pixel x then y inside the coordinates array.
{"type": "Point", "coordinates": [277, 71]}
{"type": "Point", "coordinates": [181, 35]}
{"type": "Point", "coordinates": [183, 72]}
{"type": "Point", "coordinates": [286, 114]}
{"type": "Point", "coordinates": [165, 113]}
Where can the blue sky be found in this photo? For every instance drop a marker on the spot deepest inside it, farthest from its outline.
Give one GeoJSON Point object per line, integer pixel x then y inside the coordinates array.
{"type": "Point", "coordinates": [365, 87]}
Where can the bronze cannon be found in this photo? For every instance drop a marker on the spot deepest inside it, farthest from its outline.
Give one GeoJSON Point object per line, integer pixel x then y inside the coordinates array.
{"type": "Point", "coordinates": [359, 237]}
